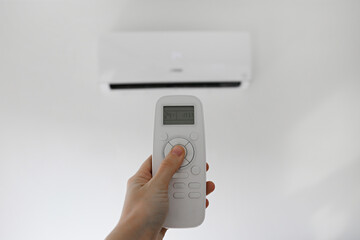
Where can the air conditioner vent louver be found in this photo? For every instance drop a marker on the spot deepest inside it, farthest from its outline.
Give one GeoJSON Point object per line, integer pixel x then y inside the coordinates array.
{"type": "Point", "coordinates": [114, 86]}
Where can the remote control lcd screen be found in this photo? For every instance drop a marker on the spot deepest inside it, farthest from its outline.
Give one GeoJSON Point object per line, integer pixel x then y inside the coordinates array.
{"type": "Point", "coordinates": [178, 115]}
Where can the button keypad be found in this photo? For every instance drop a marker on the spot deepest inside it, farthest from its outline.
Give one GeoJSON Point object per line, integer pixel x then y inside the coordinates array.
{"type": "Point", "coordinates": [184, 186]}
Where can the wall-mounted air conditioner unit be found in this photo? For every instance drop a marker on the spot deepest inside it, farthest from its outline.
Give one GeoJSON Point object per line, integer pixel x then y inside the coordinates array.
{"type": "Point", "coordinates": [174, 59]}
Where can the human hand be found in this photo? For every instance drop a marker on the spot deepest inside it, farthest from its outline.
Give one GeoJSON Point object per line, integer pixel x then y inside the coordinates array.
{"type": "Point", "coordinates": [146, 202]}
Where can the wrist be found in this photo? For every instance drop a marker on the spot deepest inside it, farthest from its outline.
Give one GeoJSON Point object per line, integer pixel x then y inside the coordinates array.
{"type": "Point", "coordinates": [134, 228]}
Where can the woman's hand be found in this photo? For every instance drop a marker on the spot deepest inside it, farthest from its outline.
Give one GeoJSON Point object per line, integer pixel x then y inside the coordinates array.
{"type": "Point", "coordinates": [146, 203]}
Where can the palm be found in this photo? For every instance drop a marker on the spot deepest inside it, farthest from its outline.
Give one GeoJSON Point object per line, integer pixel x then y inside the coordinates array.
{"type": "Point", "coordinates": [144, 176]}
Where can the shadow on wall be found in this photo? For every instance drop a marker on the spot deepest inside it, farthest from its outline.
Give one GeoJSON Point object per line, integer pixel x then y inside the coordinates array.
{"type": "Point", "coordinates": [335, 203]}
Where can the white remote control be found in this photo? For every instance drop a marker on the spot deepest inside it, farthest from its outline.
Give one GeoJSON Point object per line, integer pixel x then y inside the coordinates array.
{"type": "Point", "coordinates": [179, 121]}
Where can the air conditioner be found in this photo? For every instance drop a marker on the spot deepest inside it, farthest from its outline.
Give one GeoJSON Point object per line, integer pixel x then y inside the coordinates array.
{"type": "Point", "coordinates": [164, 59]}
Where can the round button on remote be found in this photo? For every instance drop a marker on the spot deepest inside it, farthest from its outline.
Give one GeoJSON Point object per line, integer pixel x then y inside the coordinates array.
{"type": "Point", "coordinates": [167, 149]}
{"type": "Point", "coordinates": [190, 152]}
{"type": "Point", "coordinates": [189, 149]}
{"type": "Point", "coordinates": [194, 136]}
{"type": "Point", "coordinates": [195, 170]}
{"type": "Point", "coordinates": [179, 141]}
{"type": "Point", "coordinates": [163, 136]}
{"type": "Point", "coordinates": [184, 163]}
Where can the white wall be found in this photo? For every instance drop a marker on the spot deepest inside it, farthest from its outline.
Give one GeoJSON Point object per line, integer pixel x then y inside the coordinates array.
{"type": "Point", "coordinates": [285, 154]}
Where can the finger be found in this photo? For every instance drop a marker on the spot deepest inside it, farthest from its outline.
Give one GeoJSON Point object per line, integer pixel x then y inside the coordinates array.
{"type": "Point", "coordinates": [146, 166]}
{"type": "Point", "coordinates": [207, 203]}
{"type": "Point", "coordinates": [169, 165]}
{"type": "Point", "coordinates": [143, 175]}
{"type": "Point", "coordinates": [207, 166]}
{"type": "Point", "coordinates": [210, 187]}
{"type": "Point", "coordinates": [162, 233]}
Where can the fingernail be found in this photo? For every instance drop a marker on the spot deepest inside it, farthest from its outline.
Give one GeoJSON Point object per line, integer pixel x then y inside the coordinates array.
{"type": "Point", "coordinates": [177, 150]}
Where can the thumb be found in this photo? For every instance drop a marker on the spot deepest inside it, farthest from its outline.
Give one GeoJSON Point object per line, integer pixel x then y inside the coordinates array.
{"type": "Point", "coordinates": [169, 165]}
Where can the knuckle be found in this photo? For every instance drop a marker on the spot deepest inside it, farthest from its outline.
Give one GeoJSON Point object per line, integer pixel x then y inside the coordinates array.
{"type": "Point", "coordinates": [130, 181]}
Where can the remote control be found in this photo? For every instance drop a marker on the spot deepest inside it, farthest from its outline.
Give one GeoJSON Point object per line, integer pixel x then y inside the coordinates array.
{"type": "Point", "coordinates": [179, 121]}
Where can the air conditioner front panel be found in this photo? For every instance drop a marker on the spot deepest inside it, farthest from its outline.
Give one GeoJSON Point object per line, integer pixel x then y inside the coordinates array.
{"type": "Point", "coordinates": [166, 57]}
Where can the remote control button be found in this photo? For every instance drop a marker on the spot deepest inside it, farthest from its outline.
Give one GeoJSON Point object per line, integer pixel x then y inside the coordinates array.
{"type": "Point", "coordinates": [180, 175]}
{"type": "Point", "coordinates": [179, 141]}
{"type": "Point", "coordinates": [189, 152]}
{"type": "Point", "coordinates": [194, 195]}
{"type": "Point", "coordinates": [163, 136]}
{"type": "Point", "coordinates": [179, 195]}
{"type": "Point", "coordinates": [194, 136]}
{"type": "Point", "coordinates": [195, 170]}
{"type": "Point", "coordinates": [185, 163]}
{"type": "Point", "coordinates": [194, 185]}
{"type": "Point", "coordinates": [167, 149]}
{"type": "Point", "coordinates": [182, 147]}
{"type": "Point", "coordinates": [179, 185]}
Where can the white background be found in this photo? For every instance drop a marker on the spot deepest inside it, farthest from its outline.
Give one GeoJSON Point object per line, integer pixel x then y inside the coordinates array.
{"type": "Point", "coordinates": [284, 154]}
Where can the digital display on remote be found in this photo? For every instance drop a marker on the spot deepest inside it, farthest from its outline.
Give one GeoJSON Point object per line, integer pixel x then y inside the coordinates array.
{"type": "Point", "coordinates": [178, 115]}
